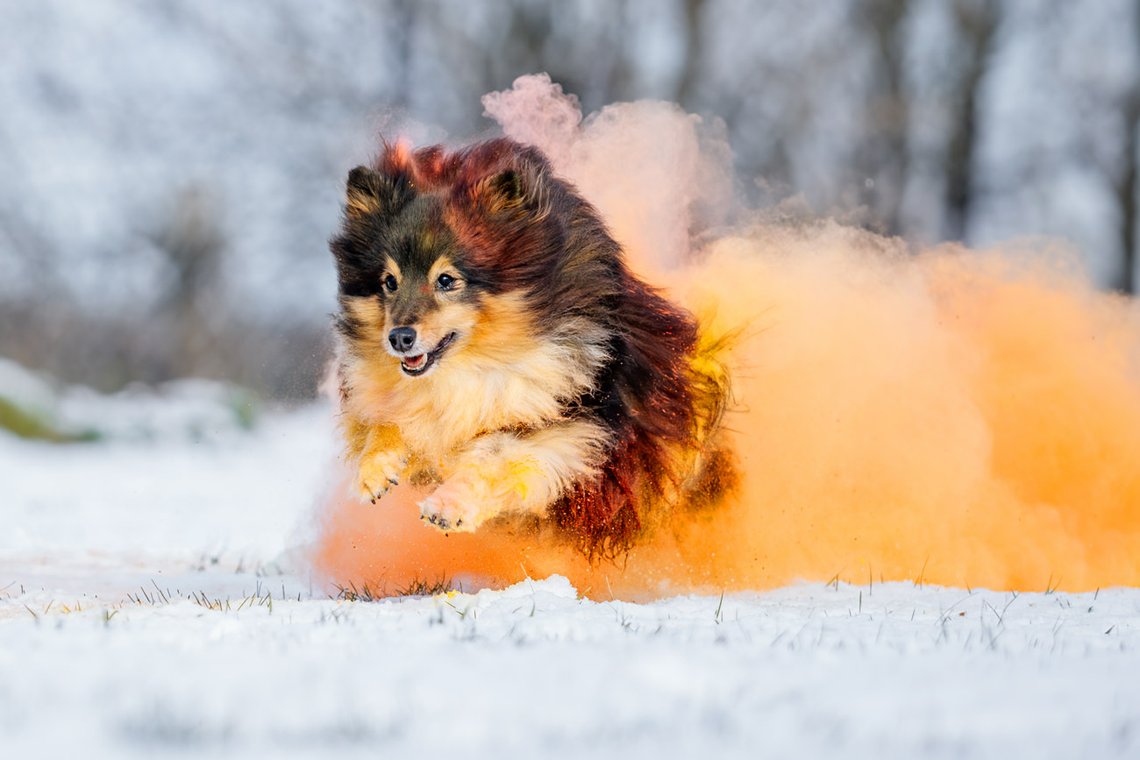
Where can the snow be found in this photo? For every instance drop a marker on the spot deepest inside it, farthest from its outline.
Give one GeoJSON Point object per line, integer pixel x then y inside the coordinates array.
{"type": "Point", "coordinates": [151, 604]}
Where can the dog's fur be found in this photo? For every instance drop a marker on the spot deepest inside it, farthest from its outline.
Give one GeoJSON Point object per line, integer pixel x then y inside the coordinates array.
{"type": "Point", "coordinates": [545, 378]}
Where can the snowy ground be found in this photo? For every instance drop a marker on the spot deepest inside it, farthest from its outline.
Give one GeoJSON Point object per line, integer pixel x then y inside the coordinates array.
{"type": "Point", "coordinates": [148, 608]}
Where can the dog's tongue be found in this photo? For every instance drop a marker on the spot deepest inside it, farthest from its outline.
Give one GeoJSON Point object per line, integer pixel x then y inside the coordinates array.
{"type": "Point", "coordinates": [414, 362]}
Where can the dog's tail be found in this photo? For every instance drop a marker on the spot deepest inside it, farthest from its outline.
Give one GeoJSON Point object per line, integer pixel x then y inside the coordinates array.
{"type": "Point", "coordinates": [711, 467]}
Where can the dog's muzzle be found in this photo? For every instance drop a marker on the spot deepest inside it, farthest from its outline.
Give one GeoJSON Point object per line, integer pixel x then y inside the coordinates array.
{"type": "Point", "coordinates": [418, 364]}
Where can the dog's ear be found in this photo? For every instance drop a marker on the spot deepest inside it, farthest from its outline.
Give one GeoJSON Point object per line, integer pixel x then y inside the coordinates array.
{"type": "Point", "coordinates": [514, 191]}
{"type": "Point", "coordinates": [502, 191]}
{"type": "Point", "coordinates": [370, 193]}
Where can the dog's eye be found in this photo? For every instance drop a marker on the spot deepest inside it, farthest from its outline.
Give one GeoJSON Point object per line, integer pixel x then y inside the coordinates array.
{"type": "Point", "coordinates": [445, 281]}
{"type": "Point", "coordinates": [390, 283]}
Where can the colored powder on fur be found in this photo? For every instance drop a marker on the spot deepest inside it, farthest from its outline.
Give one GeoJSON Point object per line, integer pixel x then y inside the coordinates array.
{"type": "Point", "coordinates": [956, 417]}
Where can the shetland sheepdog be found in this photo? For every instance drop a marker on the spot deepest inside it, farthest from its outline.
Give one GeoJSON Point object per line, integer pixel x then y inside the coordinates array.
{"type": "Point", "coordinates": [496, 351]}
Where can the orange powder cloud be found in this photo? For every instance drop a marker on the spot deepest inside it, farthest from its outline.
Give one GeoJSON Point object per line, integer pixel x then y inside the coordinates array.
{"type": "Point", "coordinates": [957, 417]}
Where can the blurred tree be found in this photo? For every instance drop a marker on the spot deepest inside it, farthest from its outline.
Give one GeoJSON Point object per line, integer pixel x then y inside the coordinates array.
{"type": "Point", "coordinates": [403, 15]}
{"type": "Point", "coordinates": [1125, 186]}
{"type": "Point", "coordinates": [692, 32]}
{"type": "Point", "coordinates": [1126, 196]}
{"type": "Point", "coordinates": [976, 24]}
{"type": "Point", "coordinates": [192, 242]}
{"type": "Point", "coordinates": [882, 156]}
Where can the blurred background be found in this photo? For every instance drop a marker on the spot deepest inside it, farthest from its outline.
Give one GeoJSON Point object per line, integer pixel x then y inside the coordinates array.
{"type": "Point", "coordinates": [170, 171]}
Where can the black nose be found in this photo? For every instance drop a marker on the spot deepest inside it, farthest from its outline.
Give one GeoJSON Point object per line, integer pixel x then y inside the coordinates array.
{"type": "Point", "coordinates": [402, 338]}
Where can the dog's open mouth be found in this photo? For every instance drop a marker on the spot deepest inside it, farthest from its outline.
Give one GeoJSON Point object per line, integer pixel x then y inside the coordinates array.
{"type": "Point", "coordinates": [421, 363]}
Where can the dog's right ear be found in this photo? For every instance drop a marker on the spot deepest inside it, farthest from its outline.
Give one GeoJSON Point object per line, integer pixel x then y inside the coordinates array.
{"type": "Point", "coordinates": [370, 193]}
{"type": "Point", "coordinates": [372, 198]}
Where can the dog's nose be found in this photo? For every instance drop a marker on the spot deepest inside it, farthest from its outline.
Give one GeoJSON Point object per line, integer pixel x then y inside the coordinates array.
{"type": "Point", "coordinates": [402, 338]}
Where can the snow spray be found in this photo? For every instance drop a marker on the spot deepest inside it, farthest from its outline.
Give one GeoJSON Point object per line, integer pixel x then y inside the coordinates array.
{"type": "Point", "coordinates": [956, 417]}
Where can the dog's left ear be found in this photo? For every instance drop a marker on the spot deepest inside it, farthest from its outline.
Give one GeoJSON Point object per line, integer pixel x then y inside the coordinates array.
{"type": "Point", "coordinates": [512, 191]}
{"type": "Point", "coordinates": [501, 191]}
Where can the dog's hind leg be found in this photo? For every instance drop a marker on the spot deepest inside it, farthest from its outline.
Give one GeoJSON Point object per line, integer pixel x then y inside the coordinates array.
{"type": "Point", "coordinates": [505, 471]}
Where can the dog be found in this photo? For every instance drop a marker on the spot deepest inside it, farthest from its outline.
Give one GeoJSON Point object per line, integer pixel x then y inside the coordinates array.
{"type": "Point", "coordinates": [494, 347]}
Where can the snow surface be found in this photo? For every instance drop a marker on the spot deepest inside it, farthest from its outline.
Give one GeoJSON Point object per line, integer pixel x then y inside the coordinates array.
{"type": "Point", "coordinates": [150, 606]}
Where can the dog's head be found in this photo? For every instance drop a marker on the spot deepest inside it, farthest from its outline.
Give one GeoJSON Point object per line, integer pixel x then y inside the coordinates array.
{"type": "Point", "coordinates": [430, 239]}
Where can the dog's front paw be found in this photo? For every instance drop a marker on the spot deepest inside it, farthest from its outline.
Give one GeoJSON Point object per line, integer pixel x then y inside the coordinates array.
{"type": "Point", "coordinates": [454, 506]}
{"type": "Point", "coordinates": [380, 471]}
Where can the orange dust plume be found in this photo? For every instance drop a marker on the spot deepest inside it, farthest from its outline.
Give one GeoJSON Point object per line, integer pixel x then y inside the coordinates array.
{"type": "Point", "coordinates": [955, 417]}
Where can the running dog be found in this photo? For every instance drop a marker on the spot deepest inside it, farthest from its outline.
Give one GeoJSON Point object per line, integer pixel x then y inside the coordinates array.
{"type": "Point", "coordinates": [495, 348]}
